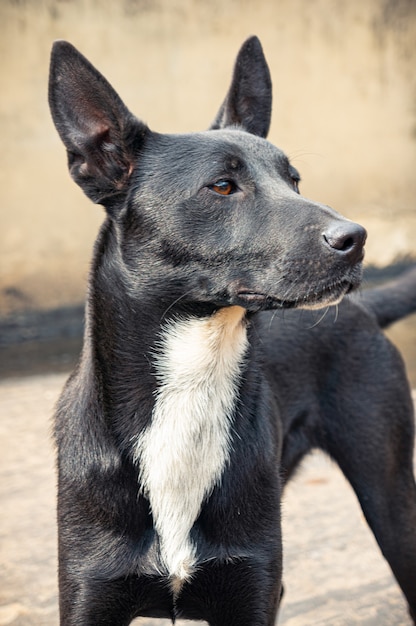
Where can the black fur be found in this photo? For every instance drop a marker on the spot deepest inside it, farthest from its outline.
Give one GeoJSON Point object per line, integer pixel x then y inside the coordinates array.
{"type": "Point", "coordinates": [173, 246]}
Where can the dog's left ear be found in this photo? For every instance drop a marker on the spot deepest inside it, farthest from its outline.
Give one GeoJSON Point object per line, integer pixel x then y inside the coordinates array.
{"type": "Point", "coordinates": [248, 103]}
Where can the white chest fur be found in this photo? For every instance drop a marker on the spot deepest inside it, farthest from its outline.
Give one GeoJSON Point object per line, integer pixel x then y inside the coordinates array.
{"type": "Point", "coordinates": [183, 451]}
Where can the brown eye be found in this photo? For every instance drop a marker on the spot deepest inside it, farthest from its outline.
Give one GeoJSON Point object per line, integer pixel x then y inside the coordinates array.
{"type": "Point", "coordinates": [224, 187]}
{"type": "Point", "coordinates": [295, 182]}
{"type": "Point", "coordinates": [294, 177]}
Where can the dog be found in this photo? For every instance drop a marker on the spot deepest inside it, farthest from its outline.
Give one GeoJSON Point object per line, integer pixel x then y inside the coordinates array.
{"type": "Point", "coordinates": [204, 377]}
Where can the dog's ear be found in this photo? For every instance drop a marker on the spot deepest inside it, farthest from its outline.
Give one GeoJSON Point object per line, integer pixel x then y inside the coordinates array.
{"type": "Point", "coordinates": [249, 99]}
{"type": "Point", "coordinates": [101, 136]}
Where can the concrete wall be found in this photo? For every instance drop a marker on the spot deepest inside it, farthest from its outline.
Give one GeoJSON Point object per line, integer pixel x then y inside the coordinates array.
{"type": "Point", "coordinates": [344, 75]}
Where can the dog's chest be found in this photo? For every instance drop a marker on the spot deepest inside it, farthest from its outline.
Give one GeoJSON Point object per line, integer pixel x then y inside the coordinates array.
{"type": "Point", "coordinates": [183, 451]}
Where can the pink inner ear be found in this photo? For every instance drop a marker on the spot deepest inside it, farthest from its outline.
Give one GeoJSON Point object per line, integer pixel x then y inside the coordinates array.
{"type": "Point", "coordinates": [93, 122]}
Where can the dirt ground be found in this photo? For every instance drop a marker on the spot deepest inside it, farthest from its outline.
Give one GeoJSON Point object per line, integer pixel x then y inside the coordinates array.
{"type": "Point", "coordinates": [334, 573]}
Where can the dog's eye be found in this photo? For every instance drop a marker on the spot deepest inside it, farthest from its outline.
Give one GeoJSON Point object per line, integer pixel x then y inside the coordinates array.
{"type": "Point", "coordinates": [295, 182]}
{"type": "Point", "coordinates": [294, 177]}
{"type": "Point", "coordinates": [224, 187]}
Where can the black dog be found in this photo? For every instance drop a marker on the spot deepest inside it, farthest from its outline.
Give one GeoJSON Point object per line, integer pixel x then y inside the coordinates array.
{"type": "Point", "coordinates": [194, 399]}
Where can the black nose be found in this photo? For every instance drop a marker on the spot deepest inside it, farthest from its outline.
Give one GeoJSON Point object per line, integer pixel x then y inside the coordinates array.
{"type": "Point", "coordinates": [346, 239]}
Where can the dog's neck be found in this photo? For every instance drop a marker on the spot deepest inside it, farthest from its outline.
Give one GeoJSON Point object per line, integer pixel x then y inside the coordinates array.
{"type": "Point", "coordinates": [180, 380]}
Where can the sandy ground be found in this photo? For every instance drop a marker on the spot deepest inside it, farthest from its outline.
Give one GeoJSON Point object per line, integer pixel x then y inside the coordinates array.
{"type": "Point", "coordinates": [334, 573]}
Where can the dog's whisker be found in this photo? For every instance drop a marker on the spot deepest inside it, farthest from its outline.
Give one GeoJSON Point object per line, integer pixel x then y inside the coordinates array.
{"type": "Point", "coordinates": [273, 315]}
{"type": "Point", "coordinates": [172, 304]}
{"type": "Point", "coordinates": [320, 318]}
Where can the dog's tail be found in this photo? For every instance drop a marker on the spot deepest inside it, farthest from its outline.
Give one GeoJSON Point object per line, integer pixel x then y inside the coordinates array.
{"type": "Point", "coordinates": [391, 302]}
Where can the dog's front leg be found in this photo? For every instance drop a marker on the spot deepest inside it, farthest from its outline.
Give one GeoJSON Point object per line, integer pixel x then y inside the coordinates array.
{"type": "Point", "coordinates": [241, 592]}
{"type": "Point", "coordinates": [98, 602]}
{"type": "Point", "coordinates": [93, 603]}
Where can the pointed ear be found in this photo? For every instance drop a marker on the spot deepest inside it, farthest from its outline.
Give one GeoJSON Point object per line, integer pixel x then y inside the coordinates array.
{"type": "Point", "coordinates": [249, 99]}
{"type": "Point", "coordinates": [101, 136]}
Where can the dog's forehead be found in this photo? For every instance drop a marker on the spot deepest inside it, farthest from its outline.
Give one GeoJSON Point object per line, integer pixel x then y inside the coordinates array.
{"type": "Point", "coordinates": [220, 148]}
{"type": "Point", "coordinates": [235, 139]}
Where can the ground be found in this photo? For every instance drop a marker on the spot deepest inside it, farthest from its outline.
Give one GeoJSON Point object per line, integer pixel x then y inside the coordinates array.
{"type": "Point", "coordinates": [334, 573]}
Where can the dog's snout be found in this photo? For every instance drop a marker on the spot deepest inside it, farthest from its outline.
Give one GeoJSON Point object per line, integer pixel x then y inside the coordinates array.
{"type": "Point", "coordinates": [346, 239]}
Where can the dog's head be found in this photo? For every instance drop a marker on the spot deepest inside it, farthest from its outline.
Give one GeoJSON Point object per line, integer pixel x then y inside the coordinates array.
{"type": "Point", "coordinates": [216, 214]}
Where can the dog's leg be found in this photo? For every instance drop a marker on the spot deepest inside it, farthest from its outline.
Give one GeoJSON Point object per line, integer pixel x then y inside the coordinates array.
{"type": "Point", "coordinates": [388, 500]}
{"type": "Point", "coordinates": [373, 446]}
{"type": "Point", "coordinates": [238, 593]}
{"type": "Point", "coordinates": [96, 602]}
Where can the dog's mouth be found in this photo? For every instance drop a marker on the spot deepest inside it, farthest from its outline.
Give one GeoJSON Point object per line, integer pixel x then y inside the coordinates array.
{"type": "Point", "coordinates": [329, 295]}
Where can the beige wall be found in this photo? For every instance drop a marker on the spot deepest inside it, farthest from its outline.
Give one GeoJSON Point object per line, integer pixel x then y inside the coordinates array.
{"type": "Point", "coordinates": [344, 75]}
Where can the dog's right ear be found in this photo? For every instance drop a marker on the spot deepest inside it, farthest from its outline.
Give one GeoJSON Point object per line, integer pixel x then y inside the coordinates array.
{"type": "Point", "coordinates": [101, 136]}
{"type": "Point", "coordinates": [248, 103]}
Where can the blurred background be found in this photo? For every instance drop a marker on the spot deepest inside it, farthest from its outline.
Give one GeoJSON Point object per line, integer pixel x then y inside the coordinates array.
{"type": "Point", "coordinates": [344, 111]}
